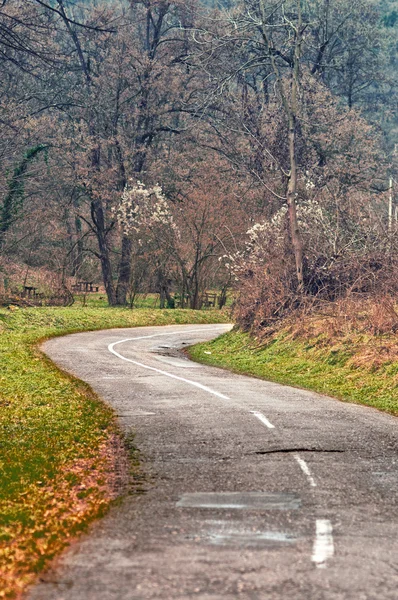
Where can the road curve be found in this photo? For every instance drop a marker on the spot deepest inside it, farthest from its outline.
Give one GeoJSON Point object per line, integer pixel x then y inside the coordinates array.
{"type": "Point", "coordinates": [254, 490]}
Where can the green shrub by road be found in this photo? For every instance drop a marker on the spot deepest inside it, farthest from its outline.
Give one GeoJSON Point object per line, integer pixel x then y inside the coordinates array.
{"type": "Point", "coordinates": [339, 370]}
{"type": "Point", "coordinates": [56, 436]}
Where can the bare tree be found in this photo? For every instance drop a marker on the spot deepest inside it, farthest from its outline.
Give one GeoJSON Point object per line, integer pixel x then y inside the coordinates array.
{"type": "Point", "coordinates": [266, 61]}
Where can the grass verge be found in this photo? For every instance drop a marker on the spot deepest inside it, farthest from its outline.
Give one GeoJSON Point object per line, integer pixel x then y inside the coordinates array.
{"type": "Point", "coordinates": [356, 368]}
{"type": "Point", "coordinates": [58, 440]}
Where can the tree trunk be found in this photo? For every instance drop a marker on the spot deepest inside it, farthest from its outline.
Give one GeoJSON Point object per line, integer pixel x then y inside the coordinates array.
{"type": "Point", "coordinates": [295, 234]}
{"type": "Point", "coordinates": [291, 195]}
{"type": "Point", "coordinates": [195, 299]}
{"type": "Point", "coordinates": [123, 283]}
{"type": "Point", "coordinates": [163, 287]}
{"type": "Point", "coordinates": [183, 289]}
{"type": "Point", "coordinates": [124, 270]}
{"type": "Point", "coordinates": [97, 214]}
{"type": "Point", "coordinates": [195, 295]}
{"type": "Point", "coordinates": [290, 106]}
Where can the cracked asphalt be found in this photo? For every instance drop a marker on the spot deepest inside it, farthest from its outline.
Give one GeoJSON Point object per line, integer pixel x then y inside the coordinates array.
{"type": "Point", "coordinates": [253, 490]}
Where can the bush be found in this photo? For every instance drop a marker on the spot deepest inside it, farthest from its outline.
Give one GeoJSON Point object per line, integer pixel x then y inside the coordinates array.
{"type": "Point", "coordinates": [343, 259]}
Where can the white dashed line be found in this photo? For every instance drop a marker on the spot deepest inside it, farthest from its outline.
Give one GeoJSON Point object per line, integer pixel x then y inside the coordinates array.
{"type": "Point", "coordinates": [323, 548]}
{"type": "Point", "coordinates": [263, 419]}
{"type": "Point", "coordinates": [165, 373]}
{"type": "Point", "coordinates": [304, 467]}
{"type": "Point", "coordinates": [323, 543]}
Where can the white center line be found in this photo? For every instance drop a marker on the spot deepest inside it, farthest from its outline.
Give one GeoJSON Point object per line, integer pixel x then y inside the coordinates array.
{"type": "Point", "coordinates": [111, 348]}
{"type": "Point", "coordinates": [304, 467]}
{"type": "Point", "coordinates": [263, 419]}
{"type": "Point", "coordinates": [323, 543]}
{"type": "Point", "coordinates": [323, 548]}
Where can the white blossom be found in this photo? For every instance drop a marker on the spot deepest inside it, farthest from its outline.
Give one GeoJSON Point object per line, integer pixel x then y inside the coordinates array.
{"type": "Point", "coordinates": [143, 207]}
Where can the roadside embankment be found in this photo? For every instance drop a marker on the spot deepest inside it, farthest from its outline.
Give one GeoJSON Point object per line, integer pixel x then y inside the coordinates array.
{"type": "Point", "coordinates": [350, 364]}
{"type": "Point", "coordinates": [60, 444]}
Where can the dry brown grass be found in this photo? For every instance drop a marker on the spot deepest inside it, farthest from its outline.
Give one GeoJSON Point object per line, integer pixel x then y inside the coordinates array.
{"type": "Point", "coordinates": [367, 327]}
{"type": "Point", "coordinates": [372, 316]}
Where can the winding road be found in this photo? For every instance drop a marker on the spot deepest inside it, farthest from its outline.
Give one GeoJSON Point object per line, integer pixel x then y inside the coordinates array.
{"type": "Point", "coordinates": [254, 490]}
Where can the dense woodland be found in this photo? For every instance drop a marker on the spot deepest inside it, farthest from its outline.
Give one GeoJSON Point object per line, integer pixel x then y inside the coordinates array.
{"type": "Point", "coordinates": [182, 146]}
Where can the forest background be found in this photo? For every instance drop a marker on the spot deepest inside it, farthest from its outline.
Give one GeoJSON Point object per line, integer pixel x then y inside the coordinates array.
{"type": "Point", "coordinates": [184, 146]}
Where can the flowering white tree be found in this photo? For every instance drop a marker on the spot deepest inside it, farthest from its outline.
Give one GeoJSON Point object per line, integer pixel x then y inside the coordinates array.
{"type": "Point", "coordinates": [144, 215]}
{"type": "Point", "coordinates": [343, 256]}
{"type": "Point", "coordinates": [317, 228]}
{"type": "Point", "coordinates": [144, 209]}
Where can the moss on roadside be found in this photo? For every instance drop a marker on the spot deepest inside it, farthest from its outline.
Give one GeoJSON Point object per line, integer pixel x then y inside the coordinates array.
{"type": "Point", "coordinates": [308, 363]}
{"type": "Point", "coordinates": [55, 436]}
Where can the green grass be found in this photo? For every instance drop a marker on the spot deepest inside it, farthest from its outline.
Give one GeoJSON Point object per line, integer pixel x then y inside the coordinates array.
{"type": "Point", "coordinates": [99, 300]}
{"type": "Point", "coordinates": [55, 435]}
{"type": "Point", "coordinates": [150, 301]}
{"type": "Point", "coordinates": [310, 364]}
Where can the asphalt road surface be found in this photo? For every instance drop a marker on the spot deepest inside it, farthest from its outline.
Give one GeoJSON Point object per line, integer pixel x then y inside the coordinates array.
{"type": "Point", "coordinates": [254, 490]}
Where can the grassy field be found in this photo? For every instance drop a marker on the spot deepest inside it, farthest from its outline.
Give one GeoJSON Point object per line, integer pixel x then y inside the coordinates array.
{"type": "Point", "coordinates": [150, 301]}
{"type": "Point", "coordinates": [58, 440]}
{"type": "Point", "coordinates": [99, 300]}
{"type": "Point", "coordinates": [354, 368]}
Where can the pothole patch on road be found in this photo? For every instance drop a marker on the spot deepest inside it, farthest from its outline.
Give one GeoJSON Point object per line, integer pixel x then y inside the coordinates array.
{"type": "Point", "coordinates": [256, 539]}
{"type": "Point", "coordinates": [240, 501]}
{"type": "Point", "coordinates": [174, 357]}
{"type": "Point", "coordinates": [245, 538]}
